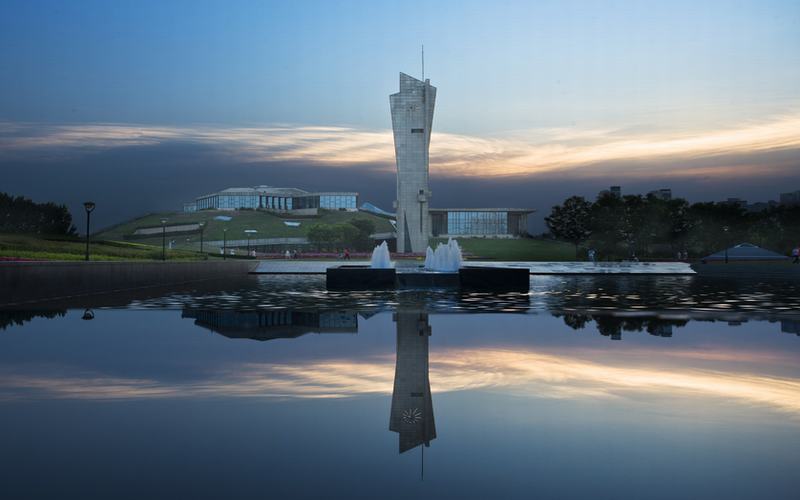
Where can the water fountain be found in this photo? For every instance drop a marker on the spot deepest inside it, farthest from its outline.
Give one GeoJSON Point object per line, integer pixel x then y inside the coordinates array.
{"type": "Point", "coordinates": [446, 257]}
{"type": "Point", "coordinates": [442, 269]}
{"type": "Point", "coordinates": [379, 274]}
{"type": "Point", "coordinates": [380, 257]}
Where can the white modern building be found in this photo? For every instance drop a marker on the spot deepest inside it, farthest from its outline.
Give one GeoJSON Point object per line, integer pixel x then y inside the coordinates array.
{"type": "Point", "coordinates": [276, 199]}
{"type": "Point", "coordinates": [412, 118]}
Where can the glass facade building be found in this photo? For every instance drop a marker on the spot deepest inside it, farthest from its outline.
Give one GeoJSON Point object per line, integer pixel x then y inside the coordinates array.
{"type": "Point", "coordinates": [337, 201]}
{"type": "Point", "coordinates": [480, 222]}
{"type": "Point", "coordinates": [271, 198]}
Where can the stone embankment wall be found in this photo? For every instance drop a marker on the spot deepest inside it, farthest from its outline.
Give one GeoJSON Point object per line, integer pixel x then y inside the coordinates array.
{"type": "Point", "coordinates": [27, 282]}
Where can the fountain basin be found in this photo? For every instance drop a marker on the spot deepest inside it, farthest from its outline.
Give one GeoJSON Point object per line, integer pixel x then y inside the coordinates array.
{"type": "Point", "coordinates": [427, 279]}
{"type": "Point", "coordinates": [469, 278]}
{"type": "Point", "coordinates": [494, 278]}
{"type": "Point", "coordinates": [359, 278]}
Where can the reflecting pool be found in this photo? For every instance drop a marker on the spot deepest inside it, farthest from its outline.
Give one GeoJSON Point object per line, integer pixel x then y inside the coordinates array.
{"type": "Point", "coordinates": [272, 387]}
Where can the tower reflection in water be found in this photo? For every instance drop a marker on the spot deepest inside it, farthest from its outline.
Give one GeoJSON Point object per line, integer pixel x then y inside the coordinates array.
{"type": "Point", "coordinates": [412, 406]}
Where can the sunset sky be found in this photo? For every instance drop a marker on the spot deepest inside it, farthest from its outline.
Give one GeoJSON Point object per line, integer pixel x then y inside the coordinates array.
{"type": "Point", "coordinates": [141, 105]}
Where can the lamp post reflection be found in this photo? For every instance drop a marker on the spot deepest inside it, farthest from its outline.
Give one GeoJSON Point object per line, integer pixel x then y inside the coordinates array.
{"type": "Point", "coordinates": [202, 227]}
{"type": "Point", "coordinates": [163, 239]}
{"type": "Point", "coordinates": [726, 229]}
{"type": "Point", "coordinates": [88, 206]}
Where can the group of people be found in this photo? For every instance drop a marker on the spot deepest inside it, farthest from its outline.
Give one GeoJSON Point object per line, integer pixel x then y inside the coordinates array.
{"type": "Point", "coordinates": [680, 255]}
{"type": "Point", "coordinates": [294, 254]}
{"type": "Point", "coordinates": [684, 255]}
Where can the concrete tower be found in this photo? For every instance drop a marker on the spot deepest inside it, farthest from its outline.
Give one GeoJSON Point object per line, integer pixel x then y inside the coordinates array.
{"type": "Point", "coordinates": [412, 117]}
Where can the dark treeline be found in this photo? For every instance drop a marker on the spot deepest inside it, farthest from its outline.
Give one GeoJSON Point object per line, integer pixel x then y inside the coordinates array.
{"type": "Point", "coordinates": [648, 226]}
{"type": "Point", "coordinates": [19, 318]}
{"type": "Point", "coordinates": [21, 215]}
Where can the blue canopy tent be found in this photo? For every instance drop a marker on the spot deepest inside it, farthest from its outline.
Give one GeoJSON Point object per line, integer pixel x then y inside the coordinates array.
{"type": "Point", "coordinates": [745, 252]}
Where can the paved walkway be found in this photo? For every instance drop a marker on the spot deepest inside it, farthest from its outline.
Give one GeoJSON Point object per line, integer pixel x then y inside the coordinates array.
{"type": "Point", "coordinates": [319, 267]}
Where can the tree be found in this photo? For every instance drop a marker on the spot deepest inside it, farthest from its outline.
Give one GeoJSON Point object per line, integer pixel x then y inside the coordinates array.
{"type": "Point", "coordinates": [336, 236]}
{"type": "Point", "coordinates": [21, 215]}
{"type": "Point", "coordinates": [363, 241]}
{"type": "Point", "coordinates": [344, 234]}
{"type": "Point", "coordinates": [571, 221]}
{"type": "Point", "coordinates": [321, 236]}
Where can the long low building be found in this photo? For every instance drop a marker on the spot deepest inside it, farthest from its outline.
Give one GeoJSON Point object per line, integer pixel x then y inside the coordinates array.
{"type": "Point", "coordinates": [480, 222]}
{"type": "Point", "coordinates": [289, 200]}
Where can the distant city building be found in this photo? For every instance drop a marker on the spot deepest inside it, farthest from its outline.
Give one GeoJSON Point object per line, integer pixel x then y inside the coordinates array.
{"type": "Point", "coordinates": [290, 200]}
{"type": "Point", "coordinates": [659, 329]}
{"type": "Point", "coordinates": [661, 194]}
{"type": "Point", "coordinates": [792, 198]}
{"type": "Point", "coordinates": [760, 206]}
{"type": "Point", "coordinates": [615, 191]}
{"type": "Point", "coordinates": [790, 326]}
{"type": "Point", "coordinates": [736, 201]}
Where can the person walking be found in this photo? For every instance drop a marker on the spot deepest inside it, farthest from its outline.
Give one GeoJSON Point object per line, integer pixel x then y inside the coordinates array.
{"type": "Point", "coordinates": [346, 254]}
{"type": "Point", "coordinates": [796, 255]}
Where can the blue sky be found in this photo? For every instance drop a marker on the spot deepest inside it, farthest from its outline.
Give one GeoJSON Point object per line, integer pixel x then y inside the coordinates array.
{"type": "Point", "coordinates": [517, 80]}
{"type": "Point", "coordinates": [500, 66]}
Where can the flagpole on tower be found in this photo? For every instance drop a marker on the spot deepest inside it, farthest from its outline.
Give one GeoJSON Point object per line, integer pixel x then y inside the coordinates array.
{"type": "Point", "coordinates": [423, 62]}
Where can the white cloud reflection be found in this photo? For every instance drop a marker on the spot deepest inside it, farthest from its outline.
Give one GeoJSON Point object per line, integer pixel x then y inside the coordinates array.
{"type": "Point", "coordinates": [522, 373]}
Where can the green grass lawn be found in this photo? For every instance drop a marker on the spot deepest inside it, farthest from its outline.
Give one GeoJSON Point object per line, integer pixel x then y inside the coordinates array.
{"type": "Point", "coordinates": [525, 249]}
{"type": "Point", "coordinates": [42, 248]}
{"type": "Point", "coordinates": [267, 224]}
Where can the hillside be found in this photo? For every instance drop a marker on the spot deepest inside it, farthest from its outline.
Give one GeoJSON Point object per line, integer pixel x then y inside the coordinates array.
{"type": "Point", "coordinates": [267, 224]}
{"type": "Point", "coordinates": [27, 247]}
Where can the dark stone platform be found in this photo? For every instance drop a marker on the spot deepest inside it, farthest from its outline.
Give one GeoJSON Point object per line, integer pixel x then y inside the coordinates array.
{"type": "Point", "coordinates": [359, 278]}
{"type": "Point", "coordinates": [468, 278]}
{"type": "Point", "coordinates": [494, 278]}
{"type": "Point", "coordinates": [428, 280]}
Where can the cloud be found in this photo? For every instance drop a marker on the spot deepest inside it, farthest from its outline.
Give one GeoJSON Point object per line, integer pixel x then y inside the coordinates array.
{"type": "Point", "coordinates": [588, 152]}
{"type": "Point", "coordinates": [525, 373]}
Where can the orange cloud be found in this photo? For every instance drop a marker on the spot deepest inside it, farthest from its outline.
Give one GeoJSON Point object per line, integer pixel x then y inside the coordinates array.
{"type": "Point", "coordinates": [518, 154]}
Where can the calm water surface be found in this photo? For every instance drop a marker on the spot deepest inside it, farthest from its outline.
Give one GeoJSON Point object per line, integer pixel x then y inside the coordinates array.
{"type": "Point", "coordinates": [271, 387]}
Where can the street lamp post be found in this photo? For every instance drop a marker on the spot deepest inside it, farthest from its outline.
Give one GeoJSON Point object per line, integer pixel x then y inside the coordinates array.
{"type": "Point", "coordinates": [726, 229]}
{"type": "Point", "coordinates": [202, 227]}
{"type": "Point", "coordinates": [163, 239]}
{"type": "Point", "coordinates": [249, 232]}
{"type": "Point", "coordinates": [224, 244]}
{"type": "Point", "coordinates": [89, 206]}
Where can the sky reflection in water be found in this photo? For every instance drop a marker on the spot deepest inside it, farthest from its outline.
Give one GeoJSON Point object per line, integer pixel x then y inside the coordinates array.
{"type": "Point", "coordinates": [263, 394]}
